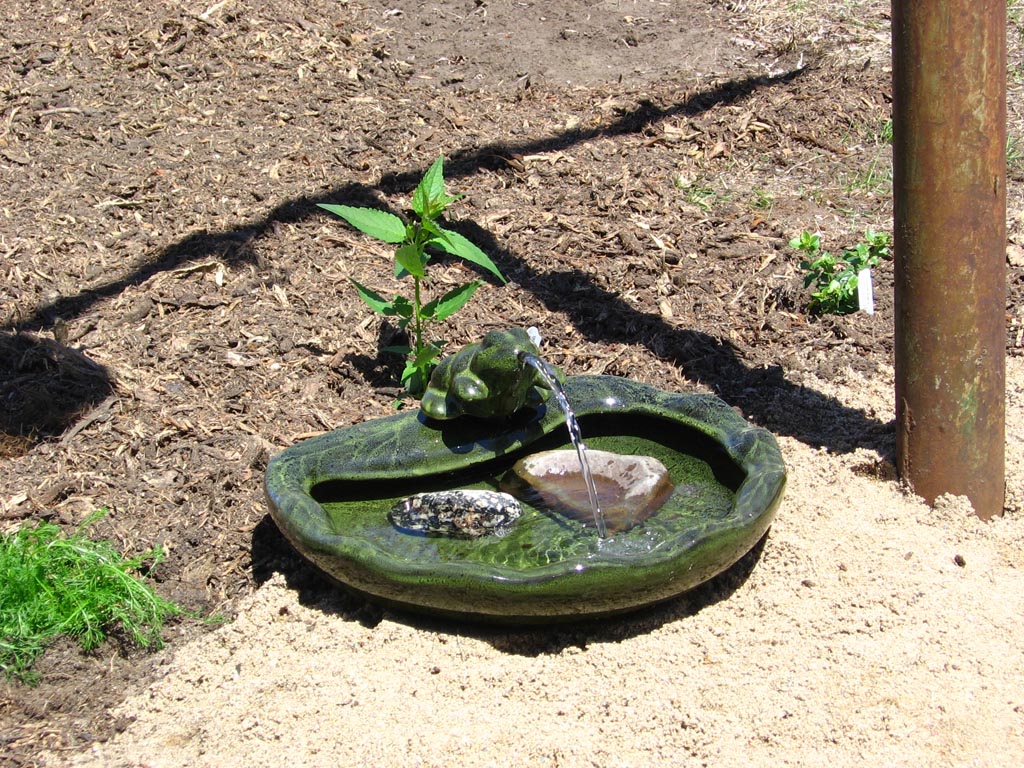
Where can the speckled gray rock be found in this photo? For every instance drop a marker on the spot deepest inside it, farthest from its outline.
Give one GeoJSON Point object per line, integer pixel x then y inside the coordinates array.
{"type": "Point", "coordinates": [467, 513]}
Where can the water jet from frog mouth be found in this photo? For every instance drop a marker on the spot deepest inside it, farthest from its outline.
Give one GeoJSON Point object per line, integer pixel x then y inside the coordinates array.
{"type": "Point", "coordinates": [552, 382]}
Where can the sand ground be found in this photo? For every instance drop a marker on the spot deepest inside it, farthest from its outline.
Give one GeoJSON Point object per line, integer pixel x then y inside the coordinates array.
{"type": "Point", "coordinates": [873, 630]}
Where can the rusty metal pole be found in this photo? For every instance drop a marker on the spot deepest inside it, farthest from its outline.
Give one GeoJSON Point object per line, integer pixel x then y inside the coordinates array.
{"type": "Point", "coordinates": [949, 155]}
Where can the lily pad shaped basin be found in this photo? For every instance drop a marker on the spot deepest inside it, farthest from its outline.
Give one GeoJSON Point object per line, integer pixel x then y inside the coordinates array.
{"type": "Point", "coordinates": [331, 495]}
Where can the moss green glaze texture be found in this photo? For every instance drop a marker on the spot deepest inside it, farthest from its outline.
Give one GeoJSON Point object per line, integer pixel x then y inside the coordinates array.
{"type": "Point", "coordinates": [486, 379]}
{"type": "Point", "coordinates": [330, 497]}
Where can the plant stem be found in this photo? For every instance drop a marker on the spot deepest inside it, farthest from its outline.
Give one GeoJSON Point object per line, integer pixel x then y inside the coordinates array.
{"type": "Point", "coordinates": [416, 314]}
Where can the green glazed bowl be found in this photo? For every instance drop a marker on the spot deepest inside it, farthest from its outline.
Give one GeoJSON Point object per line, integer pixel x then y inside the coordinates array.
{"type": "Point", "coordinates": [330, 496]}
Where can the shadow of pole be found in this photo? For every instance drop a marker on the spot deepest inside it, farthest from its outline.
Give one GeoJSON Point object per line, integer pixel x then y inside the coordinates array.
{"type": "Point", "coordinates": [763, 394]}
{"type": "Point", "coordinates": [607, 318]}
{"type": "Point", "coordinates": [232, 246]}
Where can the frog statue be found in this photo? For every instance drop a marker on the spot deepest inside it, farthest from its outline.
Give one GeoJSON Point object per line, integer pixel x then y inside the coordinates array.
{"type": "Point", "coordinates": [488, 379]}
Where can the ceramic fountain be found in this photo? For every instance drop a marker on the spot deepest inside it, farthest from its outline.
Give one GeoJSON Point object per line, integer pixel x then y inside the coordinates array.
{"type": "Point", "coordinates": [412, 510]}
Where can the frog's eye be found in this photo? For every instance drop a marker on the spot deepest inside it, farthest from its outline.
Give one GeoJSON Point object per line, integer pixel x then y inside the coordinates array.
{"type": "Point", "coordinates": [467, 386]}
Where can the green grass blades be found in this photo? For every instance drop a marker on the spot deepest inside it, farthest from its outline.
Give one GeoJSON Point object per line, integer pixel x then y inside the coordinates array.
{"type": "Point", "coordinates": [52, 584]}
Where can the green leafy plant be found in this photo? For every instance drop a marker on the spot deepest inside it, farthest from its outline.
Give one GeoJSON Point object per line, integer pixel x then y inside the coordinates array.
{"type": "Point", "coordinates": [835, 278]}
{"type": "Point", "coordinates": [55, 584]}
{"type": "Point", "coordinates": [412, 240]}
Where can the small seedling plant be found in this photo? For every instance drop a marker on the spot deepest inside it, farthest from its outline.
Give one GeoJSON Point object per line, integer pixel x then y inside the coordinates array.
{"type": "Point", "coordinates": [412, 240]}
{"type": "Point", "coordinates": [54, 584]}
{"type": "Point", "coordinates": [835, 278]}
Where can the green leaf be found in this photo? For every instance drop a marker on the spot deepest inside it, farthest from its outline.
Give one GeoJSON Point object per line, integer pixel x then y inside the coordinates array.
{"type": "Point", "coordinates": [858, 256]}
{"type": "Point", "coordinates": [409, 370]}
{"type": "Point", "coordinates": [431, 228]}
{"type": "Point", "coordinates": [425, 355]}
{"type": "Point", "coordinates": [379, 224]}
{"type": "Point", "coordinates": [374, 300]}
{"type": "Point", "coordinates": [398, 349]}
{"type": "Point", "coordinates": [419, 367]}
{"type": "Point", "coordinates": [445, 306]}
{"type": "Point", "coordinates": [403, 307]}
{"type": "Point", "coordinates": [430, 188]}
{"type": "Point", "coordinates": [879, 242]}
{"type": "Point", "coordinates": [825, 264]}
{"type": "Point", "coordinates": [410, 258]}
{"type": "Point", "coordinates": [439, 204]}
{"type": "Point", "coordinates": [806, 242]}
{"type": "Point", "coordinates": [415, 379]}
{"type": "Point", "coordinates": [457, 245]}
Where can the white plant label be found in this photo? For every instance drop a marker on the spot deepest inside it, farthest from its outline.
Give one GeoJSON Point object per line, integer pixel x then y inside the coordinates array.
{"type": "Point", "coordinates": [865, 293]}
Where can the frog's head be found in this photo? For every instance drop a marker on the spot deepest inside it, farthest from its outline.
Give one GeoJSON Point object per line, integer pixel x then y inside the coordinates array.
{"type": "Point", "coordinates": [488, 379]}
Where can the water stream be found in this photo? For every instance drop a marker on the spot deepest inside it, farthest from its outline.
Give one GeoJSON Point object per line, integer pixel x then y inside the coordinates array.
{"type": "Point", "coordinates": [548, 374]}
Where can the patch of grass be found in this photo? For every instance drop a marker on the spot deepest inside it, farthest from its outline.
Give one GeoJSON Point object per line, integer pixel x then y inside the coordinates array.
{"type": "Point", "coordinates": [877, 177]}
{"type": "Point", "coordinates": [696, 193]}
{"type": "Point", "coordinates": [762, 201]}
{"type": "Point", "coordinates": [885, 133]}
{"type": "Point", "coordinates": [1014, 152]}
{"type": "Point", "coordinates": [55, 584]}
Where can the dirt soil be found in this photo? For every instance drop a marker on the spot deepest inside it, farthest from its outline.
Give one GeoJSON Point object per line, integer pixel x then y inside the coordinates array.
{"type": "Point", "coordinates": [176, 309]}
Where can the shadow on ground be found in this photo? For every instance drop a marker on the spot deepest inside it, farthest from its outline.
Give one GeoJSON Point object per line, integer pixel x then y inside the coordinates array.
{"type": "Point", "coordinates": [272, 553]}
{"type": "Point", "coordinates": [45, 387]}
{"type": "Point", "coordinates": [232, 246]}
{"type": "Point", "coordinates": [779, 405]}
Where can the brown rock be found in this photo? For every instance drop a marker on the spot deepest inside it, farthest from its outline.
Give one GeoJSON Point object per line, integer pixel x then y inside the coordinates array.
{"type": "Point", "coordinates": [629, 488]}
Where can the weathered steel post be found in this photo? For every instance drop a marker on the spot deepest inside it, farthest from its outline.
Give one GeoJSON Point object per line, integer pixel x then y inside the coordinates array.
{"type": "Point", "coordinates": [949, 149]}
